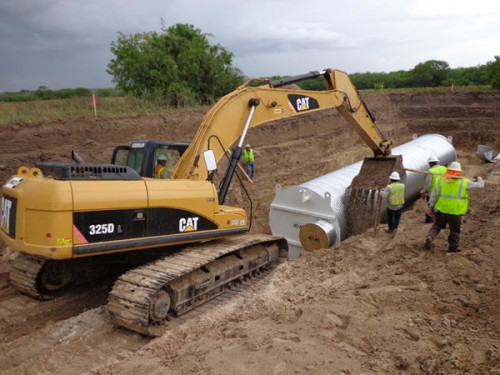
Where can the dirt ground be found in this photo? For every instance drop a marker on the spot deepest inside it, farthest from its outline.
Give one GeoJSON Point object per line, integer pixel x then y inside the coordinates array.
{"type": "Point", "coordinates": [372, 305]}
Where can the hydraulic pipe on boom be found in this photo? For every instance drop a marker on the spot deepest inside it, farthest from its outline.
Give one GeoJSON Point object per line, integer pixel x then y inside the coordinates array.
{"type": "Point", "coordinates": [288, 81]}
{"type": "Point", "coordinates": [236, 155]}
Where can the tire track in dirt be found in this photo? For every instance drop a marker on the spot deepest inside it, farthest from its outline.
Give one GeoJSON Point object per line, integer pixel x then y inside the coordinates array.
{"type": "Point", "coordinates": [75, 343]}
{"type": "Point", "coordinates": [51, 347]}
{"type": "Point", "coordinates": [21, 314]}
{"type": "Point", "coordinates": [41, 336]}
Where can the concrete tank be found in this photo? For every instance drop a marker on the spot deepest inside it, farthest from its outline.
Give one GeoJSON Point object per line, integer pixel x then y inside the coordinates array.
{"type": "Point", "coordinates": [316, 207]}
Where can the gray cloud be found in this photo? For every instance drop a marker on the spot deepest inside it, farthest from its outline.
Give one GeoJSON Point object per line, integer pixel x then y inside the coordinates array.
{"type": "Point", "coordinates": [67, 43]}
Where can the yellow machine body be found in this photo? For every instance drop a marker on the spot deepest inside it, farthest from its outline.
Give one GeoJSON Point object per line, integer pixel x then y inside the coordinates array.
{"type": "Point", "coordinates": [54, 219]}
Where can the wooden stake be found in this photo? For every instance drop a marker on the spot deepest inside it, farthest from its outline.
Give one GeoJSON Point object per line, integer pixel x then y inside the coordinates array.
{"type": "Point", "coordinates": [377, 214]}
{"type": "Point", "coordinates": [458, 177]}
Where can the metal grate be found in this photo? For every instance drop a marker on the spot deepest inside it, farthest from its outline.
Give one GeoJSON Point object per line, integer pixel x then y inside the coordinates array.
{"type": "Point", "coordinates": [69, 171]}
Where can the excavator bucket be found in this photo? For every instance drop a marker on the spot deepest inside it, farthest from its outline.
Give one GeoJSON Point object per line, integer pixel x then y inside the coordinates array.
{"type": "Point", "coordinates": [362, 197]}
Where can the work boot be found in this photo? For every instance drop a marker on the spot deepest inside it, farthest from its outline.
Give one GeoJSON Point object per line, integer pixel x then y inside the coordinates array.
{"type": "Point", "coordinates": [429, 243]}
{"type": "Point", "coordinates": [454, 250]}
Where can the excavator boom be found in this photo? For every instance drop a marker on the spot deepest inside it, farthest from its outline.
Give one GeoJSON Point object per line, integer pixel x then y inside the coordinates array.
{"type": "Point", "coordinates": [248, 107]}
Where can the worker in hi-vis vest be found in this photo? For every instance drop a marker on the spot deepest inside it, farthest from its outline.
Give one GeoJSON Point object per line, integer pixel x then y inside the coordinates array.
{"type": "Point", "coordinates": [395, 195]}
{"type": "Point", "coordinates": [161, 167]}
{"type": "Point", "coordinates": [450, 200]}
{"type": "Point", "coordinates": [435, 171]}
{"type": "Point", "coordinates": [249, 160]}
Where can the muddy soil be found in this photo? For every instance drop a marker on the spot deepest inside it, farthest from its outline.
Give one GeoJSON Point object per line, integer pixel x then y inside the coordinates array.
{"type": "Point", "coordinates": [372, 305]}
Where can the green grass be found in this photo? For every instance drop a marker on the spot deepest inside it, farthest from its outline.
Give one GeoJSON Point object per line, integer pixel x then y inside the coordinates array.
{"type": "Point", "coordinates": [40, 110]}
{"type": "Point", "coordinates": [36, 110]}
{"type": "Point", "coordinates": [429, 90]}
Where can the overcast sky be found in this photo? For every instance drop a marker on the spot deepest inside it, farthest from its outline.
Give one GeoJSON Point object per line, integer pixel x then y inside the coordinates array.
{"type": "Point", "coordinates": [66, 43]}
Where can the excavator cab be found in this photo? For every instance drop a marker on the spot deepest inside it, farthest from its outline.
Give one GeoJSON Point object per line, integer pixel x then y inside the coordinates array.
{"type": "Point", "coordinates": [142, 155]}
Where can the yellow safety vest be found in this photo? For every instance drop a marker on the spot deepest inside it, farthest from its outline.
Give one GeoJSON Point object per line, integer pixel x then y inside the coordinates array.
{"type": "Point", "coordinates": [437, 171]}
{"type": "Point", "coordinates": [159, 170]}
{"type": "Point", "coordinates": [452, 196]}
{"type": "Point", "coordinates": [396, 195]}
{"type": "Point", "coordinates": [248, 155]}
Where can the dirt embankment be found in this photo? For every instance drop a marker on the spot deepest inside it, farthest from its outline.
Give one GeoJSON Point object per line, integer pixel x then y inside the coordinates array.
{"type": "Point", "coordinates": [373, 305]}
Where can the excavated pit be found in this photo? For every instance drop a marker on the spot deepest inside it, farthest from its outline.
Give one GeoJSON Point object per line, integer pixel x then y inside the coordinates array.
{"type": "Point", "coordinates": [370, 305]}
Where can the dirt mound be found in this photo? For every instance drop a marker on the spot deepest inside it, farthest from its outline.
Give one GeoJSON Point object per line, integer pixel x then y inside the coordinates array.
{"type": "Point", "coordinates": [373, 305]}
{"type": "Point", "coordinates": [363, 205]}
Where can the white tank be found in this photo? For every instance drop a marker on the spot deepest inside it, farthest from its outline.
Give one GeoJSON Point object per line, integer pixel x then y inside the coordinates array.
{"type": "Point", "coordinates": [312, 213]}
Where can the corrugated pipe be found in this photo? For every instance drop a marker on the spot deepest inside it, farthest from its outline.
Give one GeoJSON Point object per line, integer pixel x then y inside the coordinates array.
{"type": "Point", "coordinates": [318, 205]}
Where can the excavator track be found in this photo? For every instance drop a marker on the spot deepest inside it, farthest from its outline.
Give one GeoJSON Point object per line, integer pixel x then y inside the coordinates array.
{"type": "Point", "coordinates": [146, 298]}
{"type": "Point", "coordinates": [233, 291]}
{"type": "Point", "coordinates": [24, 274]}
{"type": "Point", "coordinates": [46, 279]}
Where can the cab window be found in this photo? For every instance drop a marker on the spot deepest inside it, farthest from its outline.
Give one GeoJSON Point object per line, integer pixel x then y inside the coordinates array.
{"type": "Point", "coordinates": [172, 156]}
{"type": "Point", "coordinates": [135, 158]}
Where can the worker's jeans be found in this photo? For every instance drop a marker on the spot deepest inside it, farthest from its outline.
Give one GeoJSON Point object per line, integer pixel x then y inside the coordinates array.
{"type": "Point", "coordinates": [454, 222]}
{"type": "Point", "coordinates": [429, 217]}
{"type": "Point", "coordinates": [250, 169]}
{"type": "Point", "coordinates": [393, 218]}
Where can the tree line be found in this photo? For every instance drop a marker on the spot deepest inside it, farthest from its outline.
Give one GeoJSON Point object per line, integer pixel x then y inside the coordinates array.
{"type": "Point", "coordinates": [179, 67]}
{"type": "Point", "coordinates": [431, 73]}
{"type": "Point", "coordinates": [44, 93]}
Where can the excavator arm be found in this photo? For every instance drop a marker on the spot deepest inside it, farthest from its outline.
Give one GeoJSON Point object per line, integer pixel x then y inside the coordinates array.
{"type": "Point", "coordinates": [248, 107]}
{"type": "Point", "coordinates": [355, 112]}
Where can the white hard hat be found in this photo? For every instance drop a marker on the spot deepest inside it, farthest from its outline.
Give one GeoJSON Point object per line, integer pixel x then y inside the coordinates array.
{"type": "Point", "coordinates": [161, 157]}
{"type": "Point", "coordinates": [455, 166]}
{"type": "Point", "coordinates": [395, 176]}
{"type": "Point", "coordinates": [247, 146]}
{"type": "Point", "coordinates": [433, 159]}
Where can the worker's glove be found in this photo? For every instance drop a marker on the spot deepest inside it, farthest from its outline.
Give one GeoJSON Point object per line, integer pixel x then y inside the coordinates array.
{"type": "Point", "coordinates": [477, 179]}
{"type": "Point", "coordinates": [423, 195]}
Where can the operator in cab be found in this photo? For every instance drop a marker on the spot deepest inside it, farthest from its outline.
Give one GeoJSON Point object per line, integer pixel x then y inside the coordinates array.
{"type": "Point", "coordinates": [161, 167]}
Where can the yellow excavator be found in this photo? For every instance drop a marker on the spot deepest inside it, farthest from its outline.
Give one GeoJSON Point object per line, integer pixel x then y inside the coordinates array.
{"type": "Point", "coordinates": [70, 221]}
